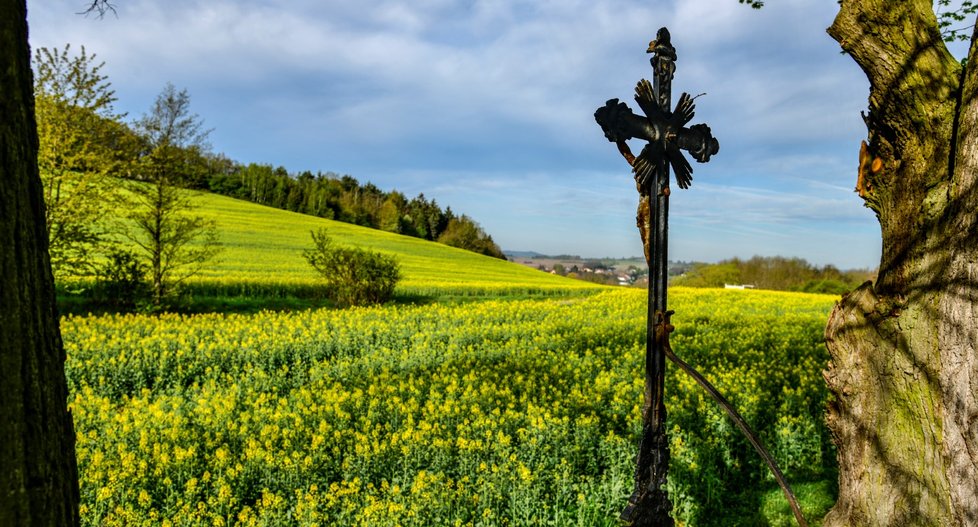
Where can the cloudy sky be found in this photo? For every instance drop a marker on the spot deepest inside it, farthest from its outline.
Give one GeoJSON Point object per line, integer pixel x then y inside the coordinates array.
{"type": "Point", "coordinates": [487, 106]}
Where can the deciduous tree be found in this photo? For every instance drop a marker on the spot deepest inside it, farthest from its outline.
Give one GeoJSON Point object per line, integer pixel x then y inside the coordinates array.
{"type": "Point", "coordinates": [175, 242]}
{"type": "Point", "coordinates": [464, 233]}
{"type": "Point", "coordinates": [38, 473]}
{"type": "Point", "coordinates": [81, 142]}
{"type": "Point", "coordinates": [904, 349]}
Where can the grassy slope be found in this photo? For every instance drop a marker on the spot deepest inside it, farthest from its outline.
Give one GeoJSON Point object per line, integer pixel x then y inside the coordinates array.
{"type": "Point", "coordinates": [263, 244]}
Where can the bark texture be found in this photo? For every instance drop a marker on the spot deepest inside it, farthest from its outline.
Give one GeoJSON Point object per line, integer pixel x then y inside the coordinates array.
{"type": "Point", "coordinates": [38, 474]}
{"type": "Point", "coordinates": [904, 367]}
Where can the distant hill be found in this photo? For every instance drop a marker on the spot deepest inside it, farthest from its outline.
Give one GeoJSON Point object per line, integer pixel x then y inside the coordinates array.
{"type": "Point", "coordinates": [523, 254]}
{"type": "Point", "coordinates": [263, 244]}
{"type": "Point", "coordinates": [774, 272]}
{"type": "Point", "coordinates": [345, 199]}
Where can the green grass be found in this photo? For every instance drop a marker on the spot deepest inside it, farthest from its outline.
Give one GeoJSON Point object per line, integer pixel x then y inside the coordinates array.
{"type": "Point", "coordinates": [263, 245]}
{"type": "Point", "coordinates": [260, 266]}
{"type": "Point", "coordinates": [815, 499]}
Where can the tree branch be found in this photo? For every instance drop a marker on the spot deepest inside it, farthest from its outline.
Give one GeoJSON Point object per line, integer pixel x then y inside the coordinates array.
{"type": "Point", "coordinates": [100, 7]}
{"type": "Point", "coordinates": [899, 47]}
{"type": "Point", "coordinates": [914, 88]}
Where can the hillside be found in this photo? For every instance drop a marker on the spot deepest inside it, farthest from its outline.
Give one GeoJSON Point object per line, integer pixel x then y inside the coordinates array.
{"type": "Point", "coordinates": [263, 245]}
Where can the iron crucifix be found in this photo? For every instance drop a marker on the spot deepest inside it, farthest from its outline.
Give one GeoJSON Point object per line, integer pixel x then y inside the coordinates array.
{"type": "Point", "coordinates": [666, 134]}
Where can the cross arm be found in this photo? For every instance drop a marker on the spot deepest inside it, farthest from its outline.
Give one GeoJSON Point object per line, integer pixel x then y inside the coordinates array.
{"type": "Point", "coordinates": [619, 123]}
{"type": "Point", "coordinates": [665, 133]}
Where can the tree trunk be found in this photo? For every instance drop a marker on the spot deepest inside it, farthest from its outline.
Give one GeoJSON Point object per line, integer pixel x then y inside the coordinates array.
{"type": "Point", "coordinates": [904, 370]}
{"type": "Point", "coordinates": [38, 475]}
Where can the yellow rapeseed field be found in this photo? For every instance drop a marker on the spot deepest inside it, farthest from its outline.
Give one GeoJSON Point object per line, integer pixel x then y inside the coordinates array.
{"type": "Point", "coordinates": [486, 413]}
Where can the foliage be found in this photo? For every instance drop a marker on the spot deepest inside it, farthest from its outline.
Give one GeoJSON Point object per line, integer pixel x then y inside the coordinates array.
{"type": "Point", "coordinates": [827, 286]}
{"type": "Point", "coordinates": [779, 273]}
{"type": "Point", "coordinates": [950, 18]}
{"type": "Point", "coordinates": [463, 232]}
{"type": "Point", "coordinates": [121, 280]}
{"type": "Point", "coordinates": [815, 499]}
{"type": "Point", "coordinates": [262, 252]}
{"type": "Point", "coordinates": [597, 278]}
{"type": "Point", "coordinates": [173, 137]}
{"type": "Point", "coordinates": [487, 413]}
{"type": "Point", "coordinates": [79, 142]}
{"type": "Point", "coordinates": [174, 242]}
{"type": "Point", "coordinates": [343, 198]}
{"type": "Point", "coordinates": [710, 275]}
{"type": "Point", "coordinates": [353, 276]}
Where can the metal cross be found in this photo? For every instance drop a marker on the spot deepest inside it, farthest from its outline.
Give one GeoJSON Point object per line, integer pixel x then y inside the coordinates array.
{"type": "Point", "coordinates": [666, 134]}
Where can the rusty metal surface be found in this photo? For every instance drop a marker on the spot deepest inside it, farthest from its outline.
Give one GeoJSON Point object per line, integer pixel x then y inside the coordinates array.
{"type": "Point", "coordinates": [666, 136]}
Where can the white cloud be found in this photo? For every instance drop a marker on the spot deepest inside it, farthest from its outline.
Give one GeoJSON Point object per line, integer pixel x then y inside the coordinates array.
{"type": "Point", "coordinates": [494, 99]}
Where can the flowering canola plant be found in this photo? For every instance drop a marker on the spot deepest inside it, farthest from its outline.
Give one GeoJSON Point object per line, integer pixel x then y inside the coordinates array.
{"type": "Point", "coordinates": [498, 412]}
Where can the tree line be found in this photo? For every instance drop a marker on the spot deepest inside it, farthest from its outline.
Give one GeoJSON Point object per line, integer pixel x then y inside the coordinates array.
{"type": "Point", "coordinates": [343, 198]}
{"type": "Point", "coordinates": [774, 272]}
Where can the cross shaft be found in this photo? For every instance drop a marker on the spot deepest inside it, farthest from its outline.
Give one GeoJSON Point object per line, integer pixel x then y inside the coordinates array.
{"type": "Point", "coordinates": [666, 135]}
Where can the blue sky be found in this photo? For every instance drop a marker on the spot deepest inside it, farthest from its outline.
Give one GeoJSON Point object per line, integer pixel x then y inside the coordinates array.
{"type": "Point", "coordinates": [487, 106]}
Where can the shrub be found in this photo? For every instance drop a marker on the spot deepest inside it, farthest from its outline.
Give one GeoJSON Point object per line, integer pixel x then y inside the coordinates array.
{"type": "Point", "coordinates": [121, 281]}
{"type": "Point", "coordinates": [826, 287]}
{"type": "Point", "coordinates": [353, 276]}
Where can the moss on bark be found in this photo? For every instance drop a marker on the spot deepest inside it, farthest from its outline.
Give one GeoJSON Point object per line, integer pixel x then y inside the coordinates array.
{"type": "Point", "coordinates": [904, 369]}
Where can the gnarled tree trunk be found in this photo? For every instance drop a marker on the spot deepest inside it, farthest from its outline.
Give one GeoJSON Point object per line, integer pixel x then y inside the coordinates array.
{"type": "Point", "coordinates": [38, 476]}
{"type": "Point", "coordinates": [904, 368]}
